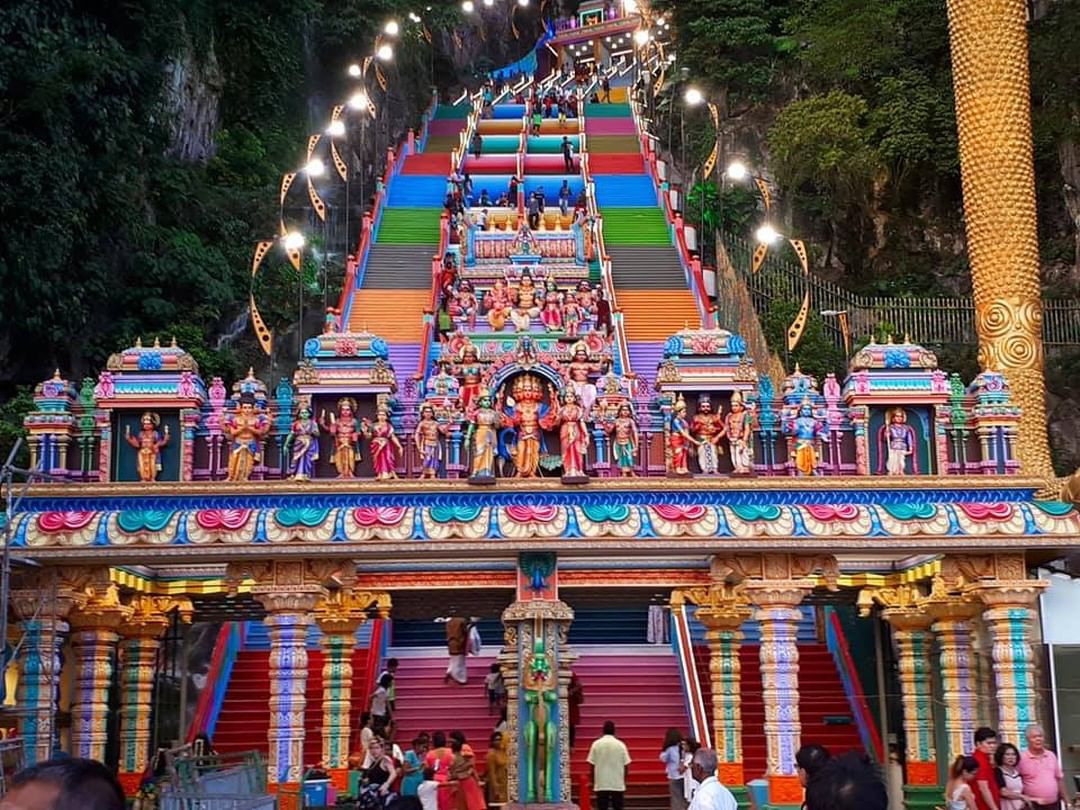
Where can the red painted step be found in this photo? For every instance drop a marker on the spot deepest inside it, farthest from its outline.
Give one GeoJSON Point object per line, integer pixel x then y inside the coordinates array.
{"type": "Point", "coordinates": [616, 164]}
{"type": "Point", "coordinates": [429, 163]}
{"type": "Point", "coordinates": [244, 720]}
{"type": "Point", "coordinates": [821, 695]}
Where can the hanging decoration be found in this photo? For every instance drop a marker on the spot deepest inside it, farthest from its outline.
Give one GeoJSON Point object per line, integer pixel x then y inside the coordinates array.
{"type": "Point", "coordinates": [264, 335]}
{"type": "Point", "coordinates": [339, 164]}
{"type": "Point", "coordinates": [795, 331]}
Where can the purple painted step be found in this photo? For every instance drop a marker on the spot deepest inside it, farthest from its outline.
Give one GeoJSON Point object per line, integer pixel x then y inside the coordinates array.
{"type": "Point", "coordinates": [644, 359]}
{"type": "Point", "coordinates": [404, 357]}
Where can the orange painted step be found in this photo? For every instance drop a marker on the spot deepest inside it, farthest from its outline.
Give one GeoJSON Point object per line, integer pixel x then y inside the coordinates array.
{"type": "Point", "coordinates": [656, 314]}
{"type": "Point", "coordinates": [391, 314]}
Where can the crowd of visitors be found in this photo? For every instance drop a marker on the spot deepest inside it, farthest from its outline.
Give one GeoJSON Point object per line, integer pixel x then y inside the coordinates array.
{"type": "Point", "coordinates": [998, 776]}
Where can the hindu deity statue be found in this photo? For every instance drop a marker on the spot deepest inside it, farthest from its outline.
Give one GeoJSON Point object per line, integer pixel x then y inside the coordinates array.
{"type": "Point", "coordinates": [345, 429]}
{"type": "Point", "coordinates": [739, 427]}
{"type": "Point", "coordinates": [708, 428]}
{"type": "Point", "coordinates": [571, 315]}
{"type": "Point", "coordinates": [428, 443]}
{"type": "Point", "coordinates": [302, 445]}
{"type": "Point", "coordinates": [246, 427]}
{"type": "Point", "coordinates": [497, 304]}
{"type": "Point", "coordinates": [527, 416]}
{"type": "Point", "coordinates": [896, 442]}
{"type": "Point", "coordinates": [148, 445]}
{"type": "Point", "coordinates": [540, 682]}
{"type": "Point", "coordinates": [444, 384]}
{"type": "Point", "coordinates": [679, 441]}
{"type": "Point", "coordinates": [526, 303]}
{"type": "Point", "coordinates": [625, 439]}
{"type": "Point", "coordinates": [579, 370]}
{"type": "Point", "coordinates": [482, 440]}
{"type": "Point", "coordinates": [464, 306]}
{"type": "Point", "coordinates": [470, 371]}
{"type": "Point", "coordinates": [586, 300]}
{"type": "Point", "coordinates": [552, 315]}
{"type": "Point", "coordinates": [384, 444]}
{"type": "Point", "coordinates": [806, 428]}
{"type": "Point", "coordinates": [573, 436]}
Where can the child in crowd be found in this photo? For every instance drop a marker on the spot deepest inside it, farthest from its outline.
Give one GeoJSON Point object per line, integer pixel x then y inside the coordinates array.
{"type": "Point", "coordinates": [496, 689]}
{"type": "Point", "coordinates": [428, 791]}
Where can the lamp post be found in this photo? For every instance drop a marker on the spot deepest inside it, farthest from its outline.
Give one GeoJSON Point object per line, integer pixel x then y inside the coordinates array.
{"type": "Point", "coordinates": [295, 241]}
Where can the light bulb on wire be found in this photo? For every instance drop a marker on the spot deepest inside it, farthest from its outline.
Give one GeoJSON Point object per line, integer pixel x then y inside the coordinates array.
{"type": "Point", "coordinates": [392, 28]}
{"type": "Point", "coordinates": [315, 167]}
{"type": "Point", "coordinates": [336, 128]}
{"type": "Point", "coordinates": [358, 101]}
{"type": "Point", "coordinates": [293, 240]}
{"type": "Point", "coordinates": [468, 6]}
{"type": "Point", "coordinates": [354, 71]}
{"type": "Point", "coordinates": [385, 53]}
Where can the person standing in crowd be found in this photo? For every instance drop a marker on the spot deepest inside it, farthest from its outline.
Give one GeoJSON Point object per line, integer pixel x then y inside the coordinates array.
{"type": "Point", "coordinates": [495, 688]}
{"type": "Point", "coordinates": [413, 767]}
{"type": "Point", "coordinates": [610, 761]}
{"type": "Point", "coordinates": [439, 759]}
{"type": "Point", "coordinates": [392, 663]}
{"type": "Point", "coordinates": [987, 796]}
{"type": "Point", "coordinates": [380, 702]}
{"type": "Point", "coordinates": [671, 756]}
{"type": "Point", "coordinates": [847, 782]}
{"type": "Point", "coordinates": [457, 647]}
{"type": "Point", "coordinates": [534, 211]}
{"type": "Point", "coordinates": [809, 760]}
{"type": "Point", "coordinates": [958, 792]}
{"type": "Point", "coordinates": [84, 784]}
{"type": "Point", "coordinates": [1010, 783]}
{"type": "Point", "coordinates": [378, 779]}
{"type": "Point", "coordinates": [711, 795]}
{"type": "Point", "coordinates": [564, 198]}
{"type": "Point", "coordinates": [428, 791]}
{"type": "Point", "coordinates": [1040, 771]}
{"type": "Point", "coordinates": [477, 144]}
{"type": "Point", "coordinates": [495, 768]}
{"type": "Point", "coordinates": [690, 784]}
{"type": "Point", "coordinates": [463, 771]}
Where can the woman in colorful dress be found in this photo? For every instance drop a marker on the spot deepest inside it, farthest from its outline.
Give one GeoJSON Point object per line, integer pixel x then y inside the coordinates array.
{"type": "Point", "coordinates": [384, 443]}
{"type": "Point", "coordinates": [463, 772]}
{"type": "Point", "coordinates": [439, 759]}
{"type": "Point", "coordinates": [303, 445]}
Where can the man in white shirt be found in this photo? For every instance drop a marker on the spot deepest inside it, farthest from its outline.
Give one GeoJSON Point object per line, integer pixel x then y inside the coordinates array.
{"type": "Point", "coordinates": [711, 795]}
{"type": "Point", "coordinates": [610, 761]}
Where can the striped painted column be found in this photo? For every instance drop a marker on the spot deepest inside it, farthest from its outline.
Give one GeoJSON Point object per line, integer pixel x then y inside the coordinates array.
{"type": "Point", "coordinates": [952, 626]}
{"type": "Point", "coordinates": [1008, 618]}
{"type": "Point", "coordinates": [776, 609]}
{"type": "Point", "coordinates": [288, 665]}
{"type": "Point", "coordinates": [722, 631]}
{"type": "Point", "coordinates": [95, 662]}
{"type": "Point", "coordinates": [39, 679]}
{"type": "Point", "coordinates": [138, 669]}
{"type": "Point", "coordinates": [338, 643]}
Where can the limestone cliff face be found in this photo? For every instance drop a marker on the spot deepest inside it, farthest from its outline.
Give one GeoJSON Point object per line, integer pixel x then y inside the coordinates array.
{"type": "Point", "coordinates": [193, 85]}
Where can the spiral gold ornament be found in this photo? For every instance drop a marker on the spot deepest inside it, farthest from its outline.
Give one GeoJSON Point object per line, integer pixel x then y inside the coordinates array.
{"type": "Point", "coordinates": [988, 40]}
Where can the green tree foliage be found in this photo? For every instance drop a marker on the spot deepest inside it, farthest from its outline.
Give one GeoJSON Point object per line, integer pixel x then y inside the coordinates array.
{"type": "Point", "coordinates": [816, 353]}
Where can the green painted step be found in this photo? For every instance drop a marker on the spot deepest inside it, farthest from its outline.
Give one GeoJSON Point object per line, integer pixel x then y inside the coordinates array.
{"type": "Point", "coordinates": [635, 226]}
{"type": "Point", "coordinates": [612, 144]}
{"type": "Point", "coordinates": [445, 112]}
{"type": "Point", "coordinates": [409, 226]}
{"type": "Point", "coordinates": [603, 110]}
{"type": "Point", "coordinates": [594, 271]}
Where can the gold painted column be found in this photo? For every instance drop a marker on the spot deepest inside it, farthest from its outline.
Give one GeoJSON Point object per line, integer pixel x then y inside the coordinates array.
{"type": "Point", "coordinates": [988, 40]}
{"type": "Point", "coordinates": [94, 639]}
{"type": "Point", "coordinates": [776, 609]}
{"type": "Point", "coordinates": [42, 607]}
{"type": "Point", "coordinates": [339, 616]}
{"type": "Point", "coordinates": [1008, 618]}
{"type": "Point", "coordinates": [139, 650]}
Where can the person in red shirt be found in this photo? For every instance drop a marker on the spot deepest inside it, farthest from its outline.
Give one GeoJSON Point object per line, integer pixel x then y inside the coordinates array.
{"type": "Point", "coordinates": [987, 792]}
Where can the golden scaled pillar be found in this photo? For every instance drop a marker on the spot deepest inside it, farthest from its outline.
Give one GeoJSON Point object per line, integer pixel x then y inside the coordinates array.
{"type": "Point", "coordinates": [905, 610]}
{"type": "Point", "coordinates": [988, 41]}
{"type": "Point", "coordinates": [722, 610]}
{"type": "Point", "coordinates": [139, 648]}
{"type": "Point", "coordinates": [95, 634]}
{"type": "Point", "coordinates": [290, 591]}
{"type": "Point", "coordinates": [339, 616]}
{"type": "Point", "coordinates": [536, 663]}
{"type": "Point", "coordinates": [42, 604]}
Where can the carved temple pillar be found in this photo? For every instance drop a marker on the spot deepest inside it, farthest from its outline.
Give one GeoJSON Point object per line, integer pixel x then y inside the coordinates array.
{"type": "Point", "coordinates": [1008, 618]}
{"type": "Point", "coordinates": [776, 609]}
{"type": "Point", "coordinates": [988, 41]}
{"type": "Point", "coordinates": [959, 694]}
{"type": "Point", "coordinates": [94, 639]}
{"type": "Point", "coordinates": [42, 608]}
{"type": "Point", "coordinates": [339, 616]}
{"type": "Point", "coordinates": [139, 650]}
{"type": "Point", "coordinates": [536, 660]}
{"type": "Point", "coordinates": [290, 591]}
{"type": "Point", "coordinates": [914, 642]}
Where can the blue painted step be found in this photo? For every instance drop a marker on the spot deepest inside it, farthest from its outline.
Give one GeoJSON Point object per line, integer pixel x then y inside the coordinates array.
{"type": "Point", "coordinates": [624, 191]}
{"type": "Point", "coordinates": [416, 191]}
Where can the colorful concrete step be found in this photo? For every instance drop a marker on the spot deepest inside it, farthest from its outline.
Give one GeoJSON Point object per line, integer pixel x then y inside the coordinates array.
{"type": "Point", "coordinates": [393, 315]}
{"type": "Point", "coordinates": [412, 191]}
{"type": "Point", "coordinates": [409, 225]}
{"type": "Point", "coordinates": [612, 144]}
{"type": "Point", "coordinates": [624, 191]}
{"type": "Point", "coordinates": [607, 110]}
{"type": "Point", "coordinates": [635, 226]}
{"type": "Point", "coordinates": [452, 112]}
{"type": "Point", "coordinates": [436, 164]}
{"type": "Point", "coordinates": [601, 165]}
{"type": "Point", "coordinates": [654, 315]}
